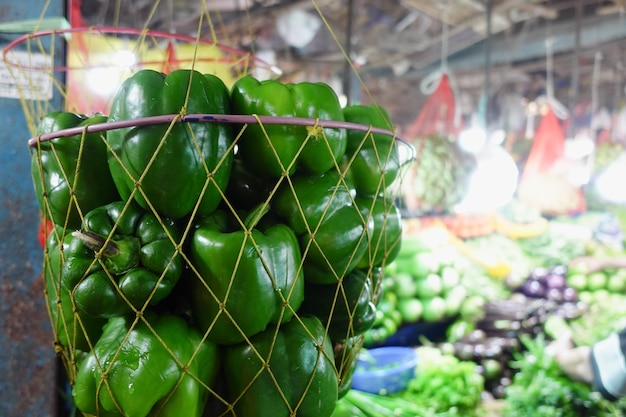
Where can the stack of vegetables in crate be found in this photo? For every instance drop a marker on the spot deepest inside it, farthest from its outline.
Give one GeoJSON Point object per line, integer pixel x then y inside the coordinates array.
{"type": "Point", "coordinates": [429, 285]}
{"type": "Point", "coordinates": [202, 260]}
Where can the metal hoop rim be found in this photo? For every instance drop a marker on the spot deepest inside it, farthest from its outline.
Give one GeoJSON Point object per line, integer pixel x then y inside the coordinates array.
{"type": "Point", "coordinates": [103, 30]}
{"type": "Point", "coordinates": [218, 118]}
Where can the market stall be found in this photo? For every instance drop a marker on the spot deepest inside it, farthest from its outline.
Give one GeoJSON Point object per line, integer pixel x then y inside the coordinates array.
{"type": "Point", "coordinates": [223, 232]}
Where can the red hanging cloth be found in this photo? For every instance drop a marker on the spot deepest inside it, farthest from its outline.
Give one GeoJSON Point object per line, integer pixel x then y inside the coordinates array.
{"type": "Point", "coordinates": [77, 21]}
{"type": "Point", "coordinates": [544, 183]}
{"type": "Point", "coordinates": [170, 62]}
{"type": "Point", "coordinates": [548, 146]}
{"type": "Point", "coordinates": [438, 116]}
{"type": "Point", "coordinates": [76, 16]}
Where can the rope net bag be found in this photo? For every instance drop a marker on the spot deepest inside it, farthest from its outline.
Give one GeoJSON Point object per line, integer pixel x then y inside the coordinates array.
{"type": "Point", "coordinates": [100, 58]}
{"type": "Point", "coordinates": [205, 257]}
{"type": "Point", "coordinates": [544, 184]}
{"type": "Point", "coordinates": [437, 183]}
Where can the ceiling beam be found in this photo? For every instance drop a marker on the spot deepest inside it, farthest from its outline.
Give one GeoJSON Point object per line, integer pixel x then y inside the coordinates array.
{"type": "Point", "coordinates": [595, 31]}
{"type": "Point", "coordinates": [460, 32]}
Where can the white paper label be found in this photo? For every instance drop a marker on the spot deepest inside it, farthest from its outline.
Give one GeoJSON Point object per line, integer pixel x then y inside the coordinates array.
{"type": "Point", "coordinates": [26, 75]}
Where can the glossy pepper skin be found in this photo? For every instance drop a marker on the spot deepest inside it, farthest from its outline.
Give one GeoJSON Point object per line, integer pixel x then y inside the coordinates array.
{"type": "Point", "coordinates": [300, 365]}
{"type": "Point", "coordinates": [246, 190]}
{"type": "Point", "coordinates": [346, 359]}
{"type": "Point", "coordinates": [172, 172]}
{"type": "Point", "coordinates": [133, 373]}
{"type": "Point", "coordinates": [54, 167]}
{"type": "Point", "coordinates": [270, 150]}
{"type": "Point", "coordinates": [255, 273]}
{"type": "Point", "coordinates": [386, 237]}
{"type": "Point", "coordinates": [331, 229]}
{"type": "Point", "coordinates": [124, 253]}
{"type": "Point", "coordinates": [376, 162]}
{"type": "Point", "coordinates": [73, 330]}
{"type": "Point", "coordinates": [346, 309]}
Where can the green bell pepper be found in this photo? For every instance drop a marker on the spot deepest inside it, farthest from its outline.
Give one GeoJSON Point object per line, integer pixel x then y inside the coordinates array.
{"type": "Point", "coordinates": [283, 373]}
{"type": "Point", "coordinates": [272, 150]}
{"type": "Point", "coordinates": [386, 238]}
{"type": "Point", "coordinates": [377, 275]}
{"type": "Point", "coordinates": [168, 166]}
{"type": "Point", "coordinates": [246, 190]}
{"type": "Point", "coordinates": [71, 172]}
{"type": "Point", "coordinates": [73, 330]}
{"type": "Point", "coordinates": [346, 360]}
{"type": "Point", "coordinates": [332, 231]}
{"type": "Point", "coordinates": [376, 159]}
{"type": "Point", "coordinates": [346, 308]}
{"type": "Point", "coordinates": [124, 257]}
{"type": "Point", "coordinates": [249, 277]}
{"type": "Point", "coordinates": [152, 365]}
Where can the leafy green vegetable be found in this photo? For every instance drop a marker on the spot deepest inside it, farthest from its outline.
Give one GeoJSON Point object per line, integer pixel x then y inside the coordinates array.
{"type": "Point", "coordinates": [442, 177]}
{"type": "Point", "coordinates": [443, 383]}
{"type": "Point", "coordinates": [540, 389]}
{"type": "Point", "coordinates": [365, 404]}
{"type": "Point", "coordinates": [604, 316]}
{"type": "Point", "coordinates": [559, 244]}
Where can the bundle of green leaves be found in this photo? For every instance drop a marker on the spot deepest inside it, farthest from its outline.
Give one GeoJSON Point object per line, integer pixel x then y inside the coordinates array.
{"type": "Point", "coordinates": [444, 383]}
{"type": "Point", "coordinates": [541, 389]}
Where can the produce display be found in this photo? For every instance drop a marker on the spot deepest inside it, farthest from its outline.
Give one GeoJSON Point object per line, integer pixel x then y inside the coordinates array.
{"type": "Point", "coordinates": [549, 284]}
{"type": "Point", "coordinates": [199, 267]}
{"type": "Point", "coordinates": [442, 386]}
{"type": "Point", "coordinates": [519, 221]}
{"type": "Point", "coordinates": [511, 325]}
{"type": "Point", "coordinates": [561, 242]}
{"type": "Point", "coordinates": [498, 250]}
{"type": "Point", "coordinates": [493, 340]}
{"type": "Point", "coordinates": [430, 282]}
{"type": "Point", "coordinates": [604, 281]}
{"type": "Point", "coordinates": [540, 298]}
{"type": "Point", "coordinates": [605, 313]}
{"type": "Point", "coordinates": [441, 177]}
{"type": "Point", "coordinates": [442, 383]}
{"type": "Point", "coordinates": [222, 267]}
{"type": "Point", "coordinates": [539, 388]}
{"type": "Point", "coordinates": [387, 320]}
{"type": "Point", "coordinates": [491, 354]}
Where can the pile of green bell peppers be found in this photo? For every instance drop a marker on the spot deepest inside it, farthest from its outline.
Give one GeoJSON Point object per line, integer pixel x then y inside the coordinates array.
{"type": "Point", "coordinates": [215, 266]}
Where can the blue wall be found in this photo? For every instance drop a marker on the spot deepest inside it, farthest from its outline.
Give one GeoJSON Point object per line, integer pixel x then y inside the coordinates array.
{"type": "Point", "coordinates": [28, 386]}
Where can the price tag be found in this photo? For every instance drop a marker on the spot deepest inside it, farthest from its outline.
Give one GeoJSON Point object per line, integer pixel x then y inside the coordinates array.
{"type": "Point", "coordinates": [27, 76]}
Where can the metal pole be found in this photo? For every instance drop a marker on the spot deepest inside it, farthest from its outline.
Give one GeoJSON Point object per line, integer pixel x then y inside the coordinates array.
{"type": "Point", "coordinates": [487, 69]}
{"type": "Point", "coordinates": [28, 363]}
{"type": "Point", "coordinates": [347, 71]}
{"type": "Point", "coordinates": [575, 81]}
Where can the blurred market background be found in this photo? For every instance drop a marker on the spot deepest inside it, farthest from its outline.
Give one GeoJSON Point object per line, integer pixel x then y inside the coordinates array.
{"type": "Point", "coordinates": [516, 109]}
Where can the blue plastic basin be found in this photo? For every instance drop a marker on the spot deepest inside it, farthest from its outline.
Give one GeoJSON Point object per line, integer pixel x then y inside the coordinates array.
{"type": "Point", "coordinates": [385, 370]}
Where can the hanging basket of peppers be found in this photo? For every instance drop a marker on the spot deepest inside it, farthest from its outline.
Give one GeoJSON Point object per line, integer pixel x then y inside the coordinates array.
{"type": "Point", "coordinates": [215, 250]}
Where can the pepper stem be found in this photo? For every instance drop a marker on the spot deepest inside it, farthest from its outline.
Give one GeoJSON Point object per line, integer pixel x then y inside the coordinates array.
{"type": "Point", "coordinates": [96, 242]}
{"type": "Point", "coordinates": [256, 214]}
{"type": "Point", "coordinates": [119, 256]}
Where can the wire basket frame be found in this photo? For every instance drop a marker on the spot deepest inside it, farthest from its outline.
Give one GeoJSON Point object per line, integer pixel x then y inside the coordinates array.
{"type": "Point", "coordinates": [72, 326]}
{"type": "Point", "coordinates": [98, 59]}
{"type": "Point", "coordinates": [408, 155]}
